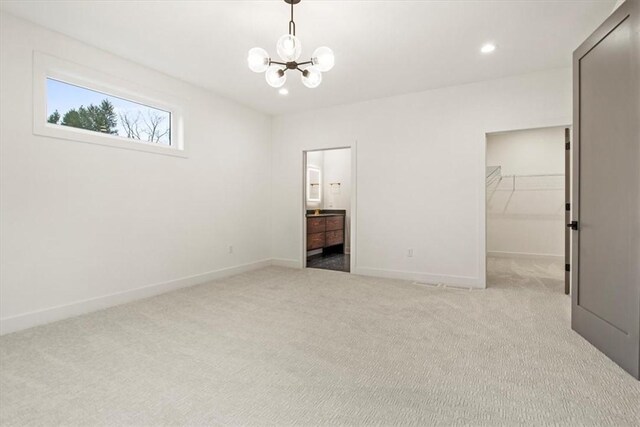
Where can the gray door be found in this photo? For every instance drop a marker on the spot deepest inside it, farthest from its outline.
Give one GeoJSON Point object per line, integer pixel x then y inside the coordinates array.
{"type": "Point", "coordinates": [567, 210]}
{"type": "Point", "coordinates": [606, 198]}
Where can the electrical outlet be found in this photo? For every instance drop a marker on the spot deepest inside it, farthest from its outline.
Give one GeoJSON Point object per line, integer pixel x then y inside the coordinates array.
{"type": "Point", "coordinates": [410, 253]}
{"type": "Point", "coordinates": [230, 249]}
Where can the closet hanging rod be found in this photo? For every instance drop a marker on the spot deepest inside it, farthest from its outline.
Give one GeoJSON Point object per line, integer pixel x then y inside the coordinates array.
{"type": "Point", "coordinates": [534, 175]}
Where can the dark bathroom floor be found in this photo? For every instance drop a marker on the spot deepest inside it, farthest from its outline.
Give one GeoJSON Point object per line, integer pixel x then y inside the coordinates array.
{"type": "Point", "coordinates": [333, 261]}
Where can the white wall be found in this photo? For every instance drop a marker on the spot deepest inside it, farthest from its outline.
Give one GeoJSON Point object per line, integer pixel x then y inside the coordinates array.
{"type": "Point", "coordinates": [525, 216]}
{"type": "Point", "coordinates": [84, 226]}
{"type": "Point", "coordinates": [420, 171]}
{"type": "Point", "coordinates": [527, 152]}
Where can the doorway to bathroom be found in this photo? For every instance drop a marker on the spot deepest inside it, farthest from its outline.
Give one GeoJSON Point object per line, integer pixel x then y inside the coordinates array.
{"type": "Point", "coordinates": [327, 209]}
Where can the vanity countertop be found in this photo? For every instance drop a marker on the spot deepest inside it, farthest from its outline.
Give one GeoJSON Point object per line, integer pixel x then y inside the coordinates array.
{"type": "Point", "coordinates": [323, 215]}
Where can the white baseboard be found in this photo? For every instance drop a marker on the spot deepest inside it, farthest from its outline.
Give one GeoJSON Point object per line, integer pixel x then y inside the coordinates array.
{"type": "Point", "coordinates": [48, 315]}
{"type": "Point", "coordinates": [52, 314]}
{"type": "Point", "coordinates": [459, 281]}
{"type": "Point", "coordinates": [289, 263]}
{"type": "Point", "coordinates": [500, 254]}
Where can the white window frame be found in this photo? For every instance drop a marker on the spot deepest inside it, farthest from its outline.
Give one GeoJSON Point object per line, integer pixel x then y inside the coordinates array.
{"type": "Point", "coordinates": [46, 66]}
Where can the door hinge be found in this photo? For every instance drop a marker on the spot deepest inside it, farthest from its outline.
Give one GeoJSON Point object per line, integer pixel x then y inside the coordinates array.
{"type": "Point", "coordinates": [573, 225]}
{"type": "Point", "coordinates": [567, 267]}
{"type": "Point", "coordinates": [567, 146]}
{"type": "Point", "coordinates": [567, 206]}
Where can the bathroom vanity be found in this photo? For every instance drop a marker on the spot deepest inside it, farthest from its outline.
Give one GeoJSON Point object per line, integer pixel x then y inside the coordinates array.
{"type": "Point", "coordinates": [326, 230]}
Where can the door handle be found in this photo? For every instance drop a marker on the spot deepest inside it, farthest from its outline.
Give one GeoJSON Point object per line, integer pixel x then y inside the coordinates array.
{"type": "Point", "coordinates": [573, 225]}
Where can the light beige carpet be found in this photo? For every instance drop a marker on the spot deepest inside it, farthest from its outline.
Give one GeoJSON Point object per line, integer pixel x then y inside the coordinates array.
{"type": "Point", "coordinates": [313, 347]}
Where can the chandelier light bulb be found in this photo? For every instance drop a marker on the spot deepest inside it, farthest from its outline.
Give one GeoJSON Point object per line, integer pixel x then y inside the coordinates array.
{"type": "Point", "coordinates": [289, 48]}
{"type": "Point", "coordinates": [258, 60]}
{"type": "Point", "coordinates": [323, 58]}
{"type": "Point", "coordinates": [312, 77]}
{"type": "Point", "coordinates": [275, 76]}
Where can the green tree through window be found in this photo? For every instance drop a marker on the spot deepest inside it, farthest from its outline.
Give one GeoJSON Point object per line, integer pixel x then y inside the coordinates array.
{"type": "Point", "coordinates": [98, 118]}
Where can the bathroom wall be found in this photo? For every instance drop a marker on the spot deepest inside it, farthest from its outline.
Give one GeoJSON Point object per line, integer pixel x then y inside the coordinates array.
{"type": "Point", "coordinates": [336, 179]}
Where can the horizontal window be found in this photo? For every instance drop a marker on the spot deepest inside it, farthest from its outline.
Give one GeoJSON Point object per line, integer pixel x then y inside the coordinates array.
{"type": "Point", "coordinates": [77, 103]}
{"type": "Point", "coordinates": [79, 107]}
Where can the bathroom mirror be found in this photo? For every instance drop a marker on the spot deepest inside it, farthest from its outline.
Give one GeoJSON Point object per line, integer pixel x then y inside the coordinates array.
{"type": "Point", "coordinates": [314, 184]}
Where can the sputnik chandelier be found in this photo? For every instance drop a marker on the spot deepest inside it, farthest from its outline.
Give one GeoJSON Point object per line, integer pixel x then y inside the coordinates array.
{"type": "Point", "coordinates": [289, 49]}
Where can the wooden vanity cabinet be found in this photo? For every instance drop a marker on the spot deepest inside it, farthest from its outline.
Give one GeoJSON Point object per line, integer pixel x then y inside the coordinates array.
{"type": "Point", "coordinates": [315, 241]}
{"type": "Point", "coordinates": [325, 231]}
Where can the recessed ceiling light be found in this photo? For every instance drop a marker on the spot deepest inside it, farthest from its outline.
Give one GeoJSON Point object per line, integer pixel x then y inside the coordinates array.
{"type": "Point", "coordinates": [488, 48]}
{"type": "Point", "coordinates": [284, 91]}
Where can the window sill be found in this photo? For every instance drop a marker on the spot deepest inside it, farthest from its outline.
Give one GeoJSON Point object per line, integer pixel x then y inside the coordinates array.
{"type": "Point", "coordinates": [90, 137]}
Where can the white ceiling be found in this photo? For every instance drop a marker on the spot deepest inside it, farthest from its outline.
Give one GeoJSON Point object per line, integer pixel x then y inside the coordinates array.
{"type": "Point", "coordinates": [382, 48]}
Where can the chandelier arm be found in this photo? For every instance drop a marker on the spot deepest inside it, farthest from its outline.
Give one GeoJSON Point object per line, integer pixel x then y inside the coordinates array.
{"type": "Point", "coordinates": [276, 62]}
{"type": "Point", "coordinates": [305, 63]}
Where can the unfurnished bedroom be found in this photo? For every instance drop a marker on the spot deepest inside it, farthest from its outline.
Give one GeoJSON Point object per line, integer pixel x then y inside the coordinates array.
{"type": "Point", "coordinates": [313, 212]}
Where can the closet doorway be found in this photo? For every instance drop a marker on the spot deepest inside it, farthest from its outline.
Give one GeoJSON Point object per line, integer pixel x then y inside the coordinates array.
{"type": "Point", "coordinates": [527, 194]}
{"type": "Point", "coordinates": [328, 209]}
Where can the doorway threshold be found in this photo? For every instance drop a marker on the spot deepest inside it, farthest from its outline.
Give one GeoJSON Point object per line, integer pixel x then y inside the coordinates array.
{"type": "Point", "coordinates": [332, 261]}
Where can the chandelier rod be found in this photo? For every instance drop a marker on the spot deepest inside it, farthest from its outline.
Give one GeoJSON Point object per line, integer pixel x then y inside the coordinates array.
{"type": "Point", "coordinates": [291, 23]}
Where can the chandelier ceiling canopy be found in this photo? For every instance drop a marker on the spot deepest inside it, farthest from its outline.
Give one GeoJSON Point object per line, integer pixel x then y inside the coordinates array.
{"type": "Point", "coordinates": [289, 50]}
